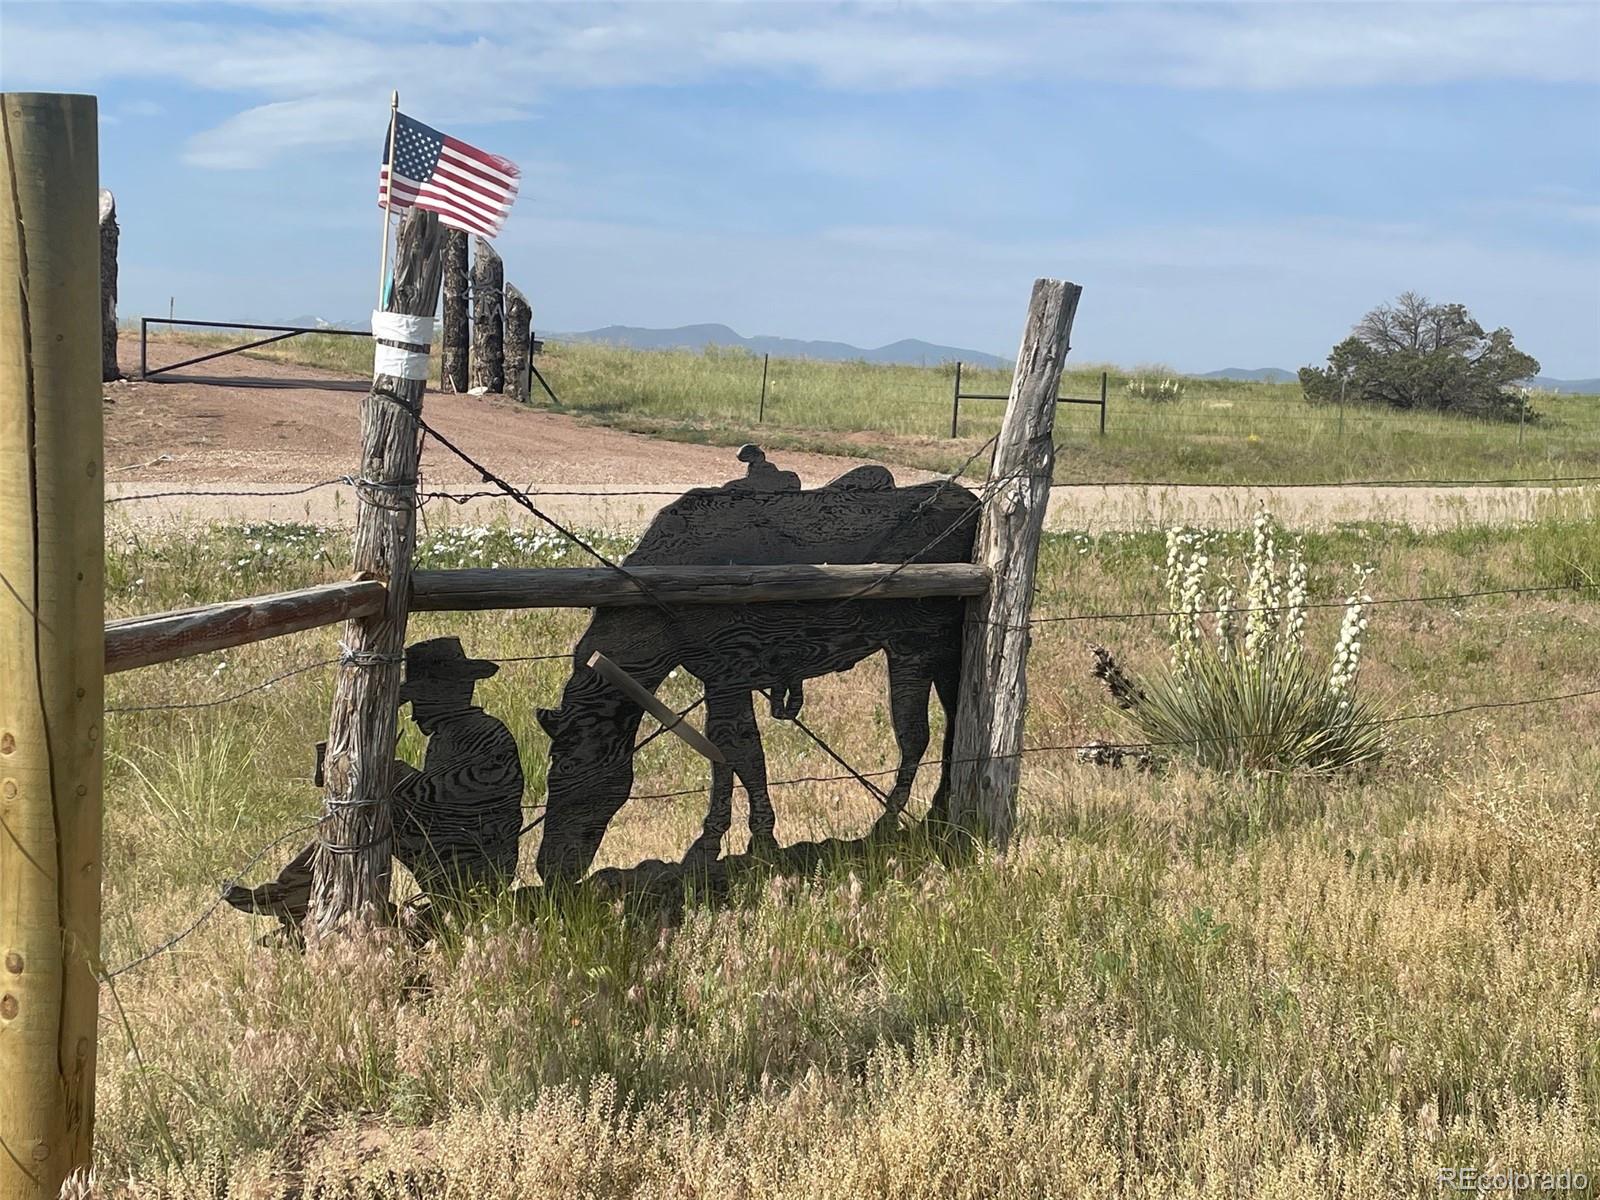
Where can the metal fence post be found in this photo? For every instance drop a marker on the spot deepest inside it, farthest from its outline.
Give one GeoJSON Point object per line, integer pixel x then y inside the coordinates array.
{"type": "Point", "coordinates": [761, 412]}
{"type": "Point", "coordinates": [144, 345]}
{"type": "Point", "coordinates": [955, 403]}
{"type": "Point", "coordinates": [1102, 403]}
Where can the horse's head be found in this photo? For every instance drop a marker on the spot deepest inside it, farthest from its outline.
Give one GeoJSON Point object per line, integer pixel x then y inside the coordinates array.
{"type": "Point", "coordinates": [590, 775]}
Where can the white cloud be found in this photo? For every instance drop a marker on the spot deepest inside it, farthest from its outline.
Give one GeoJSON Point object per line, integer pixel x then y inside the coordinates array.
{"type": "Point", "coordinates": [478, 59]}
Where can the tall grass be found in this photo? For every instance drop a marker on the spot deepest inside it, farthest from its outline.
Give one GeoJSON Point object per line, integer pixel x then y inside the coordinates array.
{"type": "Point", "coordinates": [1162, 989]}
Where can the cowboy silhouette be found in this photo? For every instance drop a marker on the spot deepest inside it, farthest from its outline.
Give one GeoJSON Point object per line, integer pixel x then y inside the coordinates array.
{"type": "Point", "coordinates": [457, 820]}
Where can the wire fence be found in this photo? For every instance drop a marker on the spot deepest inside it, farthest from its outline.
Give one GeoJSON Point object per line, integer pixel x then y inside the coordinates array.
{"type": "Point", "coordinates": [526, 498]}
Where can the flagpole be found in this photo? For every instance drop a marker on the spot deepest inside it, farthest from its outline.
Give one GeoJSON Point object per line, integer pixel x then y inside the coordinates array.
{"type": "Point", "coordinates": [388, 192]}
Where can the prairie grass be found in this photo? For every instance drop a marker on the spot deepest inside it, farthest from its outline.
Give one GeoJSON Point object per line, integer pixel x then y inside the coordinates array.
{"type": "Point", "coordinates": [1218, 431]}
{"type": "Point", "coordinates": [1171, 985]}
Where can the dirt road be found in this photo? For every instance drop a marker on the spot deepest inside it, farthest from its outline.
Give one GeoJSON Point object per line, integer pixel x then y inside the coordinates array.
{"type": "Point", "coordinates": [225, 437]}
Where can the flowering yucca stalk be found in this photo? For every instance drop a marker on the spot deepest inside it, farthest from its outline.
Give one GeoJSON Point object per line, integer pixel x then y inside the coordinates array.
{"type": "Point", "coordinates": [1249, 698]}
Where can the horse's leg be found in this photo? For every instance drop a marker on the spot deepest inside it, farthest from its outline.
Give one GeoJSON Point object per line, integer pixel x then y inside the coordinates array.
{"type": "Point", "coordinates": [749, 759]}
{"type": "Point", "coordinates": [908, 709]}
{"type": "Point", "coordinates": [947, 682]}
{"type": "Point", "coordinates": [731, 726]}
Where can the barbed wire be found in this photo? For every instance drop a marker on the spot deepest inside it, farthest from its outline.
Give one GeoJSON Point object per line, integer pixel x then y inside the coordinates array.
{"type": "Point", "coordinates": [205, 914]}
{"type": "Point", "coordinates": [1063, 747]}
{"type": "Point", "coordinates": [303, 668]}
{"type": "Point", "coordinates": [463, 498]}
{"type": "Point", "coordinates": [1437, 597]}
{"type": "Point", "coordinates": [264, 685]}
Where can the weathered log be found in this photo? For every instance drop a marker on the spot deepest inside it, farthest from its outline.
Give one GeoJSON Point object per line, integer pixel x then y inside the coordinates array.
{"type": "Point", "coordinates": [352, 864]}
{"type": "Point", "coordinates": [109, 234]}
{"type": "Point", "coordinates": [453, 339]}
{"type": "Point", "coordinates": [488, 318]}
{"type": "Point", "coordinates": [590, 587]}
{"type": "Point", "coordinates": [162, 637]}
{"type": "Point", "coordinates": [519, 351]}
{"type": "Point", "coordinates": [987, 764]}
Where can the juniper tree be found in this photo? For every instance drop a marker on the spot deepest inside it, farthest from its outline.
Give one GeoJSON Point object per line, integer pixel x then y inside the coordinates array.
{"type": "Point", "coordinates": [1417, 354]}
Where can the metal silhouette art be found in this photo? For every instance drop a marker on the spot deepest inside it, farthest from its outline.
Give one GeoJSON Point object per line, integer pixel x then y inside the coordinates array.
{"type": "Point", "coordinates": [763, 518]}
{"type": "Point", "coordinates": [457, 820]}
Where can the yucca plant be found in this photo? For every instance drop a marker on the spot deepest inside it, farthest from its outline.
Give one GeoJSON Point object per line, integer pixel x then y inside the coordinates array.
{"type": "Point", "coordinates": [1246, 695]}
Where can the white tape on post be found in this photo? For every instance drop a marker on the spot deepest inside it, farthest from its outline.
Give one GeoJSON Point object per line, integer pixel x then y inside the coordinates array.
{"type": "Point", "coordinates": [399, 361]}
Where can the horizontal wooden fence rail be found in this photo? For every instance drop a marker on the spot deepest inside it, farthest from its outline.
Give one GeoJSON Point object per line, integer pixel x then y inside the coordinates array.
{"type": "Point", "coordinates": [588, 587]}
{"type": "Point", "coordinates": [162, 637]}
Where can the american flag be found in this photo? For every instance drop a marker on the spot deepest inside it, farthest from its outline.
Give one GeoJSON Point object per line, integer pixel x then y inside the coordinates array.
{"type": "Point", "coordinates": [469, 188]}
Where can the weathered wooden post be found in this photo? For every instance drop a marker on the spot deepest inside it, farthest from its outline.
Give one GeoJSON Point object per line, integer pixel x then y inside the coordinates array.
{"type": "Point", "coordinates": [488, 318]}
{"type": "Point", "coordinates": [453, 339]}
{"type": "Point", "coordinates": [352, 866]}
{"type": "Point", "coordinates": [519, 348]}
{"type": "Point", "coordinates": [108, 287]}
{"type": "Point", "coordinates": [52, 615]}
{"type": "Point", "coordinates": [994, 687]}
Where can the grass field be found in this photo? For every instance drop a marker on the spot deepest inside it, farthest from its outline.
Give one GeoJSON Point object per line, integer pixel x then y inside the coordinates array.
{"type": "Point", "coordinates": [1219, 432]}
{"type": "Point", "coordinates": [1178, 984]}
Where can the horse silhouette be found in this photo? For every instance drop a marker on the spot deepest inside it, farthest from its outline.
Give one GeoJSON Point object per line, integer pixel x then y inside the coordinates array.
{"type": "Point", "coordinates": [762, 519]}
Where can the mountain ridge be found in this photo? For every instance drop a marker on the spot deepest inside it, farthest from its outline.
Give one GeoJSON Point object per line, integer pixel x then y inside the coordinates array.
{"type": "Point", "coordinates": [905, 352]}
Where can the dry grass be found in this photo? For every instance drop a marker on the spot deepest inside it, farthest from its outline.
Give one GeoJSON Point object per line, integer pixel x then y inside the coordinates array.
{"type": "Point", "coordinates": [1174, 985]}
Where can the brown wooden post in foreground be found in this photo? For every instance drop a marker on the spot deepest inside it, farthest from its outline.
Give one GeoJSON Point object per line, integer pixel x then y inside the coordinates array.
{"type": "Point", "coordinates": [488, 318]}
{"type": "Point", "coordinates": [352, 867]}
{"type": "Point", "coordinates": [108, 287]}
{"type": "Point", "coordinates": [519, 343]}
{"type": "Point", "coordinates": [453, 337]}
{"type": "Point", "coordinates": [51, 619]}
{"type": "Point", "coordinates": [994, 654]}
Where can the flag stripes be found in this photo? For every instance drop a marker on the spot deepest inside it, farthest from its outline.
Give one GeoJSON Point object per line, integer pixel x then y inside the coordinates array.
{"type": "Point", "coordinates": [469, 188]}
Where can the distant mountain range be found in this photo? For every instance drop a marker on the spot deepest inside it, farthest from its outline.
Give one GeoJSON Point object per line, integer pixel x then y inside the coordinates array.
{"type": "Point", "coordinates": [1248, 375]}
{"type": "Point", "coordinates": [908, 352]}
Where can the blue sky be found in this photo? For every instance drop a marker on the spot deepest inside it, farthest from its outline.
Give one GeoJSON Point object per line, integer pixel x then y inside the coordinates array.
{"type": "Point", "coordinates": [1232, 184]}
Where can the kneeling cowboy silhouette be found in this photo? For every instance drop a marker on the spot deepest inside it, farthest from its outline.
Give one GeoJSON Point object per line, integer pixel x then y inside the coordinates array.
{"type": "Point", "coordinates": [456, 820]}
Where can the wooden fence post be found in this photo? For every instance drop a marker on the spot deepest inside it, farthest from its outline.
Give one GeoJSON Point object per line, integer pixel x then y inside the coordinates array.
{"type": "Point", "coordinates": [519, 348]}
{"type": "Point", "coordinates": [352, 866]}
{"type": "Point", "coordinates": [52, 614]}
{"type": "Point", "coordinates": [488, 318]}
{"type": "Point", "coordinates": [453, 338]}
{"type": "Point", "coordinates": [108, 287]}
{"type": "Point", "coordinates": [994, 653]}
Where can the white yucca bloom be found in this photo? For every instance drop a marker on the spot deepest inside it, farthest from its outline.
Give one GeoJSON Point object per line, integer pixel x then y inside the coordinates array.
{"type": "Point", "coordinates": [1262, 590]}
{"type": "Point", "coordinates": [1347, 654]}
{"type": "Point", "coordinates": [1224, 607]}
{"type": "Point", "coordinates": [1294, 621]}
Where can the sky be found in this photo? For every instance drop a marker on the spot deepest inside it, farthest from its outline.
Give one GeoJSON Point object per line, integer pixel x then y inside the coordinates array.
{"type": "Point", "coordinates": [1231, 184]}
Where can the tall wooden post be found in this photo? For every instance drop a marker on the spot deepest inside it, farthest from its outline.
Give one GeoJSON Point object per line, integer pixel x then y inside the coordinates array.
{"type": "Point", "coordinates": [108, 287]}
{"type": "Point", "coordinates": [453, 339]}
{"type": "Point", "coordinates": [488, 318]}
{"type": "Point", "coordinates": [994, 653]}
{"type": "Point", "coordinates": [52, 616]}
{"type": "Point", "coordinates": [352, 865]}
{"type": "Point", "coordinates": [519, 343]}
